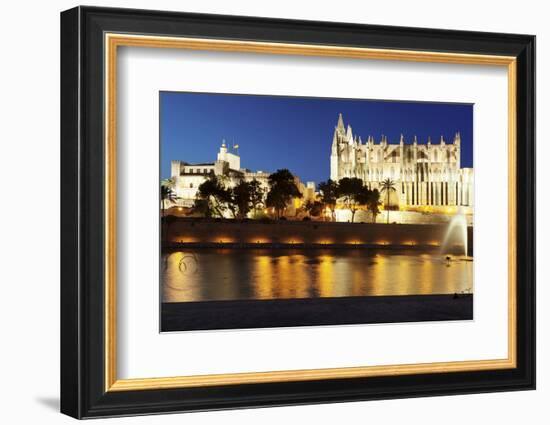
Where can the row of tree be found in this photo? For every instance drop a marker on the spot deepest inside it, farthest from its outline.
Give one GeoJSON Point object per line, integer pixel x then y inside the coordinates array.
{"type": "Point", "coordinates": [216, 198]}
{"type": "Point", "coordinates": [353, 194]}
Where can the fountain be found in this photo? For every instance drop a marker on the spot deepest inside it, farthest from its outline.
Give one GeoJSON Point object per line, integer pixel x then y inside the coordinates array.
{"type": "Point", "coordinates": [456, 235]}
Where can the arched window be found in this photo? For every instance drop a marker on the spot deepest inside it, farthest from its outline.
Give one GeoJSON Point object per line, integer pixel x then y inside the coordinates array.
{"type": "Point", "coordinates": [436, 156]}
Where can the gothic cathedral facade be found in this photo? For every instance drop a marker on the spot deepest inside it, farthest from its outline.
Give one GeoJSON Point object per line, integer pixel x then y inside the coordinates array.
{"type": "Point", "coordinates": [423, 173]}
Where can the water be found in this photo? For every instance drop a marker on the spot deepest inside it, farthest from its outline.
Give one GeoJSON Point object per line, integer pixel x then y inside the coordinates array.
{"type": "Point", "coordinates": [231, 274]}
{"type": "Point", "coordinates": [457, 234]}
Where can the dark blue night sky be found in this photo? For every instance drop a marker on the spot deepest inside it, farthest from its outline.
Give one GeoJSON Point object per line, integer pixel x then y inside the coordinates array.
{"type": "Point", "coordinates": [296, 132]}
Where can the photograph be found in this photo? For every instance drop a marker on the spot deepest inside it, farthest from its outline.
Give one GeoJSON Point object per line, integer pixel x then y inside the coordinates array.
{"type": "Point", "coordinates": [367, 204]}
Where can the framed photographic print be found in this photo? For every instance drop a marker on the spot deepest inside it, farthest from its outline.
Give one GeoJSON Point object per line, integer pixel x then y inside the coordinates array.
{"type": "Point", "coordinates": [261, 212]}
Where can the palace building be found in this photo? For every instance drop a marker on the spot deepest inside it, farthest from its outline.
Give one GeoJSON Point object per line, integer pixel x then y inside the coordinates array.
{"type": "Point", "coordinates": [188, 177]}
{"type": "Point", "coordinates": [423, 173]}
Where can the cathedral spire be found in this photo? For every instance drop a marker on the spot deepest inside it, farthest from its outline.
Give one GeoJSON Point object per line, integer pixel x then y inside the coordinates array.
{"type": "Point", "coordinates": [340, 125]}
{"type": "Point", "coordinates": [442, 141]}
{"type": "Point", "coordinates": [337, 138]}
{"type": "Point", "coordinates": [457, 138]}
{"type": "Point", "coordinates": [349, 135]}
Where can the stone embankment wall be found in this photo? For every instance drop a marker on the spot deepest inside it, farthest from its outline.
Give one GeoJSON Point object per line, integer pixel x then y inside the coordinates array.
{"type": "Point", "coordinates": [204, 231]}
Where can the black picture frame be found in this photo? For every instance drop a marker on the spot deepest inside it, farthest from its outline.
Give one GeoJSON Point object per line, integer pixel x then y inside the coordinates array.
{"type": "Point", "coordinates": [83, 393]}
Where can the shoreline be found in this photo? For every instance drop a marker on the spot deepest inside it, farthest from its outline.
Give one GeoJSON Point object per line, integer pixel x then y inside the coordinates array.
{"type": "Point", "coordinates": [245, 314]}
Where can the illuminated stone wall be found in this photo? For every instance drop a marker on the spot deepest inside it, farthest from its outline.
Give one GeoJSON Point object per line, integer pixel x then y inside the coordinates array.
{"type": "Point", "coordinates": [398, 217]}
{"type": "Point", "coordinates": [289, 232]}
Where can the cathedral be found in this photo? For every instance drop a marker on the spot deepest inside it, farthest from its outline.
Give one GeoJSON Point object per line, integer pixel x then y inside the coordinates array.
{"type": "Point", "coordinates": [423, 173]}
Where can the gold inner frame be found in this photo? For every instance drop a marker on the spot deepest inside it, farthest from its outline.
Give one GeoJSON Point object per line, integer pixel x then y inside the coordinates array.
{"type": "Point", "coordinates": [113, 41]}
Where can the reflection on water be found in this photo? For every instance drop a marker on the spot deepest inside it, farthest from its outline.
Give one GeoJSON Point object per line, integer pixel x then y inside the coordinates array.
{"type": "Point", "coordinates": [232, 274]}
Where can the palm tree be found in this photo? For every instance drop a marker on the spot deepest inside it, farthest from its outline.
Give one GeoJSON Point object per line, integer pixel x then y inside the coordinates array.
{"type": "Point", "coordinates": [388, 186]}
{"type": "Point", "coordinates": [167, 193]}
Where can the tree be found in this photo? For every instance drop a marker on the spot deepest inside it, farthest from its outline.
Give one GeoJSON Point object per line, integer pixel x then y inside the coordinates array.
{"type": "Point", "coordinates": [314, 208]}
{"type": "Point", "coordinates": [241, 199]}
{"type": "Point", "coordinates": [329, 196]}
{"type": "Point", "coordinates": [388, 186]}
{"type": "Point", "coordinates": [352, 191]}
{"type": "Point", "coordinates": [203, 207]}
{"type": "Point", "coordinates": [218, 199]}
{"type": "Point", "coordinates": [257, 195]}
{"type": "Point", "coordinates": [282, 190]}
{"type": "Point", "coordinates": [373, 203]}
{"type": "Point", "coordinates": [166, 193]}
{"type": "Point", "coordinates": [247, 196]}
